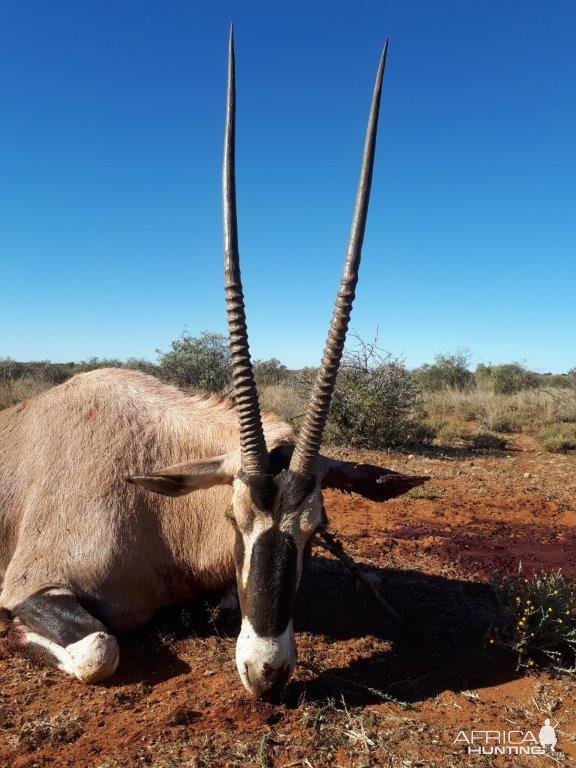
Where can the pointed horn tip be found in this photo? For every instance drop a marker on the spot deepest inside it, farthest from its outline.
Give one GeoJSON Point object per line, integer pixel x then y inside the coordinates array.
{"type": "Point", "coordinates": [383, 56]}
{"type": "Point", "coordinates": [231, 35]}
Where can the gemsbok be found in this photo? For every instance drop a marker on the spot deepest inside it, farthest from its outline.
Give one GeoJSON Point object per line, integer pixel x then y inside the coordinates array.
{"type": "Point", "coordinates": [235, 494]}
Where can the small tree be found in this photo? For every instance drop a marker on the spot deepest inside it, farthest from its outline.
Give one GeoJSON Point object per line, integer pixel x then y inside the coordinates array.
{"type": "Point", "coordinates": [201, 361]}
{"type": "Point", "coordinates": [508, 378]}
{"type": "Point", "coordinates": [446, 372]}
{"type": "Point", "coordinates": [270, 372]}
{"type": "Point", "coordinates": [374, 402]}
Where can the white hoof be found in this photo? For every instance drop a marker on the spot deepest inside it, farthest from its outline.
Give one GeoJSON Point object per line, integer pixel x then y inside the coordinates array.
{"type": "Point", "coordinates": [94, 658]}
{"type": "Point", "coordinates": [91, 660]}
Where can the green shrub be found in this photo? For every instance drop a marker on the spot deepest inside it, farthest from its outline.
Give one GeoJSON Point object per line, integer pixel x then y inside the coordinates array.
{"type": "Point", "coordinates": [270, 372]}
{"type": "Point", "coordinates": [376, 402]}
{"type": "Point", "coordinates": [538, 621]}
{"type": "Point", "coordinates": [446, 372]}
{"type": "Point", "coordinates": [508, 378]}
{"type": "Point", "coordinates": [201, 362]}
{"type": "Point", "coordinates": [450, 432]}
{"type": "Point", "coordinates": [419, 431]}
{"type": "Point", "coordinates": [508, 422]}
{"type": "Point", "coordinates": [487, 440]}
{"type": "Point", "coordinates": [558, 438]}
{"type": "Point", "coordinates": [371, 407]}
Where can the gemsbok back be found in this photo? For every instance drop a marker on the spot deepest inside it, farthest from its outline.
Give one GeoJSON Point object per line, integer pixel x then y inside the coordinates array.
{"type": "Point", "coordinates": [216, 490]}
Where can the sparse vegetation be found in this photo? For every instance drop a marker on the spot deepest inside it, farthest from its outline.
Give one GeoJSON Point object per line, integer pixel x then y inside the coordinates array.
{"type": "Point", "coordinates": [558, 438]}
{"type": "Point", "coordinates": [539, 624]}
{"type": "Point", "coordinates": [378, 402]}
{"type": "Point", "coordinates": [454, 412]}
{"type": "Point", "coordinates": [285, 400]}
{"type": "Point", "coordinates": [19, 381]}
{"type": "Point", "coordinates": [12, 391]}
{"type": "Point", "coordinates": [41, 731]}
{"type": "Point", "coordinates": [487, 441]}
{"type": "Point", "coordinates": [423, 492]}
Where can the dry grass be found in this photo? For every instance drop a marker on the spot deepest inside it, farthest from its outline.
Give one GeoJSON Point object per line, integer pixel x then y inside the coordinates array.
{"type": "Point", "coordinates": [52, 731]}
{"type": "Point", "coordinates": [284, 401]}
{"type": "Point", "coordinates": [474, 417]}
{"type": "Point", "coordinates": [528, 411]}
{"type": "Point", "coordinates": [558, 438]}
{"type": "Point", "coordinates": [477, 417]}
{"type": "Point", "coordinates": [12, 391]}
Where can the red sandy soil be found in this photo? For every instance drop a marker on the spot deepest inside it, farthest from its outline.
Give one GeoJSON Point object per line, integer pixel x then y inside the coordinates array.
{"type": "Point", "coordinates": [362, 695]}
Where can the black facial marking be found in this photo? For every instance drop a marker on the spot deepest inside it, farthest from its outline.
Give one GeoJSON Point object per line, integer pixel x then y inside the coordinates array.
{"type": "Point", "coordinates": [268, 597]}
{"type": "Point", "coordinates": [57, 617]}
{"type": "Point", "coordinates": [292, 490]}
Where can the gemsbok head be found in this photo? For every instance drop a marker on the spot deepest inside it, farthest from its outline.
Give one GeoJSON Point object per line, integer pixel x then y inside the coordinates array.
{"type": "Point", "coordinates": [277, 501]}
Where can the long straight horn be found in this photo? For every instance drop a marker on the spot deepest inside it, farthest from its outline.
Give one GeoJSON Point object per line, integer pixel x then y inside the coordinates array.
{"type": "Point", "coordinates": [252, 443]}
{"type": "Point", "coordinates": [310, 437]}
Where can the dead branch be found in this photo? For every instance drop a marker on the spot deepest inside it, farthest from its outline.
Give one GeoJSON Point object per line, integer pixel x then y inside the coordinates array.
{"type": "Point", "coordinates": [331, 544]}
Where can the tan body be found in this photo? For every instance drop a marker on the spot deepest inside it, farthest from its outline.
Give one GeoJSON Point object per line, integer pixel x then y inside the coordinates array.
{"type": "Point", "coordinates": [68, 518]}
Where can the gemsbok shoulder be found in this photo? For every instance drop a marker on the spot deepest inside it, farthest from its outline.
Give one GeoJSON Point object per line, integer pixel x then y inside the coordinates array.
{"type": "Point", "coordinates": [120, 494]}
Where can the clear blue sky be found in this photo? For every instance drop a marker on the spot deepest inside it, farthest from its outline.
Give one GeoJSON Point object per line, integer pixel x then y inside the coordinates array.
{"type": "Point", "coordinates": [111, 126]}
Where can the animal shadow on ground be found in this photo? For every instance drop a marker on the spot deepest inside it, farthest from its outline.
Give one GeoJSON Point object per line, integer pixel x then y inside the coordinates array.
{"type": "Point", "coordinates": [146, 658]}
{"type": "Point", "coordinates": [440, 647]}
{"type": "Point", "coordinates": [458, 453]}
{"type": "Point", "coordinates": [443, 648]}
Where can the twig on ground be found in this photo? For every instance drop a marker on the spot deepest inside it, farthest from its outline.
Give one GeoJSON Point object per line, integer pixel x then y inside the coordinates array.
{"type": "Point", "coordinates": [376, 692]}
{"type": "Point", "coordinates": [330, 543]}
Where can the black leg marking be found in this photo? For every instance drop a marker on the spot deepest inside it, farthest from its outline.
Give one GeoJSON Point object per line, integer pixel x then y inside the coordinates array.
{"type": "Point", "coordinates": [55, 628]}
{"type": "Point", "coordinates": [57, 615]}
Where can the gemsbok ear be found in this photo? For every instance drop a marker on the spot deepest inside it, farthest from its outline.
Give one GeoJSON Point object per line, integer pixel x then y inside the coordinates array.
{"type": "Point", "coordinates": [374, 483]}
{"type": "Point", "coordinates": [180, 479]}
